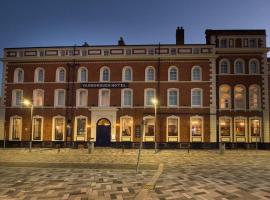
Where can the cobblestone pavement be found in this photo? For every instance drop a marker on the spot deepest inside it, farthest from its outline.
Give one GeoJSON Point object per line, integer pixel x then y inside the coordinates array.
{"type": "Point", "coordinates": [200, 174]}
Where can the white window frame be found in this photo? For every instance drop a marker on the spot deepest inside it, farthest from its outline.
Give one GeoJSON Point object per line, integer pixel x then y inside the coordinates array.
{"type": "Point", "coordinates": [169, 73]}
{"type": "Point", "coordinates": [230, 100]}
{"type": "Point", "coordinates": [228, 65]}
{"type": "Point", "coordinates": [13, 101]}
{"type": "Point", "coordinates": [75, 128]}
{"type": "Point", "coordinates": [192, 69]}
{"type": "Point", "coordinates": [99, 97]}
{"type": "Point", "coordinates": [258, 138]}
{"type": "Point", "coordinates": [124, 72]}
{"type": "Point", "coordinates": [191, 98]}
{"type": "Point", "coordinates": [146, 73]}
{"type": "Point", "coordinates": [225, 138]}
{"type": "Point", "coordinates": [196, 138]}
{"type": "Point", "coordinates": [145, 97]}
{"type": "Point", "coordinates": [53, 127]}
{"type": "Point", "coordinates": [148, 138]}
{"type": "Point", "coordinates": [123, 100]}
{"type": "Point", "coordinates": [11, 126]}
{"type": "Point", "coordinates": [243, 62]}
{"type": "Point", "coordinates": [126, 138]}
{"type": "Point", "coordinates": [245, 97]}
{"type": "Point", "coordinates": [42, 126]}
{"type": "Point", "coordinates": [168, 97]}
{"type": "Point", "coordinates": [173, 138]}
{"type": "Point", "coordinates": [79, 75]}
{"type": "Point", "coordinates": [78, 98]}
{"type": "Point", "coordinates": [34, 97]}
{"type": "Point", "coordinates": [56, 98]}
{"type": "Point", "coordinates": [240, 138]}
{"type": "Point", "coordinates": [259, 96]}
{"type": "Point", "coordinates": [257, 63]}
{"type": "Point", "coordinates": [57, 78]}
{"type": "Point", "coordinates": [101, 74]}
{"type": "Point", "coordinates": [36, 75]}
{"type": "Point", "coordinates": [15, 78]}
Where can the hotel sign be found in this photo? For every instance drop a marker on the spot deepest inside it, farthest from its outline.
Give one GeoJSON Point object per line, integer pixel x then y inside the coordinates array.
{"type": "Point", "coordinates": [104, 85]}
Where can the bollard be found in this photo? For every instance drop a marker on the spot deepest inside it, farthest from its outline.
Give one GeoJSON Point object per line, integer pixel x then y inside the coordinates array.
{"type": "Point", "coordinates": [89, 147]}
{"type": "Point", "coordinates": [221, 148]}
{"type": "Point", "coordinates": [123, 148]}
{"type": "Point", "coordinates": [58, 146]}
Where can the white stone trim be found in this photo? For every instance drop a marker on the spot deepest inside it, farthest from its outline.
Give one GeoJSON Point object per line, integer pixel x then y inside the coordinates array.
{"type": "Point", "coordinates": [122, 97]}
{"type": "Point", "coordinates": [11, 126]}
{"type": "Point", "coordinates": [177, 73]}
{"type": "Point", "coordinates": [75, 136]}
{"type": "Point", "coordinates": [123, 73]}
{"type": "Point", "coordinates": [126, 138]}
{"type": "Point", "coordinates": [168, 97]}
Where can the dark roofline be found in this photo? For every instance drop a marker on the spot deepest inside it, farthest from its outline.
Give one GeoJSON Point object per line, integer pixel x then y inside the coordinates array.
{"type": "Point", "coordinates": [236, 31]}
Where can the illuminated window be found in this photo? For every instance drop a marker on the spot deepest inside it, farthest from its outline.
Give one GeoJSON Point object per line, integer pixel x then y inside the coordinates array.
{"type": "Point", "coordinates": [254, 97]}
{"type": "Point", "coordinates": [58, 128]}
{"type": "Point", "coordinates": [224, 97]}
{"type": "Point", "coordinates": [196, 97]}
{"type": "Point", "coordinates": [127, 74]}
{"type": "Point", "coordinates": [38, 97]}
{"type": "Point", "coordinates": [196, 74]}
{"type": "Point", "coordinates": [196, 125]}
{"type": "Point", "coordinates": [126, 126]}
{"type": "Point", "coordinates": [255, 127]}
{"type": "Point", "coordinates": [39, 75]}
{"type": "Point", "coordinates": [37, 128]}
{"type": "Point", "coordinates": [239, 97]}
{"type": "Point", "coordinates": [18, 75]}
{"type": "Point", "coordinates": [149, 73]}
{"type": "Point", "coordinates": [104, 97]}
{"type": "Point", "coordinates": [225, 126]}
{"type": "Point", "coordinates": [173, 73]}
{"type": "Point", "coordinates": [172, 126]}
{"type": "Point", "coordinates": [81, 128]}
{"type": "Point", "coordinates": [149, 95]}
{"type": "Point", "coordinates": [15, 128]}
{"type": "Point", "coordinates": [149, 127]}
{"type": "Point", "coordinates": [240, 127]}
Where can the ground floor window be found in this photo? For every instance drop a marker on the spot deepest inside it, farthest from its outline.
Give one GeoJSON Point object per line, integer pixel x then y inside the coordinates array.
{"type": "Point", "coordinates": [172, 126]}
{"type": "Point", "coordinates": [37, 128]}
{"type": "Point", "coordinates": [16, 128]}
{"type": "Point", "coordinates": [81, 126]}
{"type": "Point", "coordinates": [149, 127]}
{"type": "Point", "coordinates": [255, 127]}
{"type": "Point", "coordinates": [196, 126]}
{"type": "Point", "coordinates": [126, 126]}
{"type": "Point", "coordinates": [240, 127]}
{"type": "Point", "coordinates": [59, 128]}
{"type": "Point", "coordinates": [225, 126]}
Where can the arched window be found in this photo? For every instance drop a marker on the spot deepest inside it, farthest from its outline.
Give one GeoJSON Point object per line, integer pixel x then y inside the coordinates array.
{"type": "Point", "coordinates": [196, 73]}
{"type": "Point", "coordinates": [39, 74]}
{"type": "Point", "coordinates": [38, 97]}
{"type": "Point", "coordinates": [58, 128]}
{"type": "Point", "coordinates": [105, 74]}
{"type": "Point", "coordinates": [239, 97]}
{"type": "Point", "coordinates": [239, 67]}
{"type": "Point", "coordinates": [196, 97]}
{"type": "Point", "coordinates": [149, 73]}
{"type": "Point", "coordinates": [82, 74]}
{"type": "Point", "coordinates": [173, 128]}
{"type": "Point", "coordinates": [224, 97]}
{"type": "Point", "coordinates": [60, 74]}
{"type": "Point", "coordinates": [254, 97]}
{"type": "Point", "coordinates": [127, 74]}
{"type": "Point", "coordinates": [172, 73]}
{"type": "Point", "coordinates": [254, 66]}
{"type": "Point", "coordinates": [224, 66]}
{"type": "Point", "coordinates": [18, 75]}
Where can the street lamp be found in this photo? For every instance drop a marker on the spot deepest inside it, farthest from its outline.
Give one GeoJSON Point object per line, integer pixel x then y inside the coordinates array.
{"type": "Point", "coordinates": [28, 103]}
{"type": "Point", "coordinates": [155, 102]}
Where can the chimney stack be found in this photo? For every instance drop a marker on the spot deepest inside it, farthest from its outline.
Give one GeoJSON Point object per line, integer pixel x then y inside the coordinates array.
{"type": "Point", "coordinates": [180, 36]}
{"type": "Point", "coordinates": [121, 42]}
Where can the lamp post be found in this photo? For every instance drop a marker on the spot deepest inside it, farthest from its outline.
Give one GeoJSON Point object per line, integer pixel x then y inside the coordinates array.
{"type": "Point", "coordinates": [155, 102]}
{"type": "Point", "coordinates": [30, 104]}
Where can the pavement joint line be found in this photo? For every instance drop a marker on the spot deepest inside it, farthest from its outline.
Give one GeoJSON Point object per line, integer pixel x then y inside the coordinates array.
{"type": "Point", "coordinates": [143, 193]}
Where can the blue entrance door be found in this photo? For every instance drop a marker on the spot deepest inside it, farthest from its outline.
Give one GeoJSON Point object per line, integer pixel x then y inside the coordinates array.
{"type": "Point", "coordinates": [103, 133]}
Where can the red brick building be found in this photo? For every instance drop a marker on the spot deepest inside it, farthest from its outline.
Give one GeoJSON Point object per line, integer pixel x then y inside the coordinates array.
{"type": "Point", "coordinates": [205, 93]}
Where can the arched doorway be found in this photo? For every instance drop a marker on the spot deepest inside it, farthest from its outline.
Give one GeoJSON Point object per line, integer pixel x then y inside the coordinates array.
{"type": "Point", "coordinates": [103, 133]}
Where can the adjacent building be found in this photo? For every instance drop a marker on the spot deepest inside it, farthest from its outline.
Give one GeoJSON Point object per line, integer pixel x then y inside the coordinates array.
{"type": "Point", "coordinates": [166, 93]}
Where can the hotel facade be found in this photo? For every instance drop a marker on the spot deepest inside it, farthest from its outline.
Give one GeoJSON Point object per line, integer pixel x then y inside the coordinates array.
{"type": "Point", "coordinates": [200, 94]}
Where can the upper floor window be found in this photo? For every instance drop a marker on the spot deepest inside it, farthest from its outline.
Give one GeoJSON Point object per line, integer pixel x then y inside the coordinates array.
{"type": "Point", "coordinates": [196, 73]}
{"type": "Point", "coordinates": [224, 97]}
{"type": "Point", "coordinates": [253, 66]}
{"type": "Point", "coordinates": [127, 74]}
{"type": "Point", "coordinates": [196, 97]}
{"type": "Point", "coordinates": [39, 75]}
{"type": "Point", "coordinates": [127, 97]}
{"type": "Point", "coordinates": [60, 74]}
{"type": "Point", "coordinates": [104, 97]}
{"type": "Point", "coordinates": [254, 97]}
{"type": "Point", "coordinates": [150, 73]}
{"type": "Point", "coordinates": [239, 67]}
{"type": "Point", "coordinates": [81, 97]}
{"type": "Point", "coordinates": [82, 74]}
{"type": "Point", "coordinates": [253, 43]}
{"type": "Point", "coordinates": [59, 97]}
{"type": "Point", "coordinates": [38, 97]}
{"type": "Point", "coordinates": [173, 97]}
{"type": "Point", "coordinates": [223, 43]}
{"type": "Point", "coordinates": [18, 75]}
{"type": "Point", "coordinates": [224, 67]}
{"type": "Point", "coordinates": [17, 97]}
{"type": "Point", "coordinates": [149, 96]}
{"type": "Point", "coordinates": [105, 74]}
{"type": "Point", "coordinates": [173, 73]}
{"type": "Point", "coordinates": [239, 97]}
